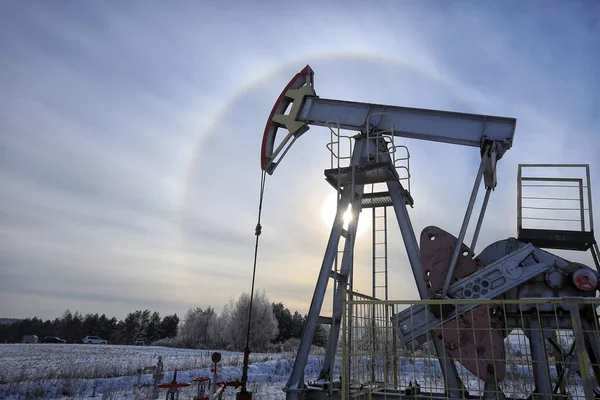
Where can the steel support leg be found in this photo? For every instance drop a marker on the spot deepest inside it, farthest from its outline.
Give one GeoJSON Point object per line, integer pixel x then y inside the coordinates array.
{"type": "Point", "coordinates": [408, 236]}
{"type": "Point", "coordinates": [488, 191]}
{"type": "Point", "coordinates": [596, 256]}
{"type": "Point", "coordinates": [592, 345]}
{"type": "Point", "coordinates": [295, 382]}
{"type": "Point", "coordinates": [338, 296]}
{"type": "Point", "coordinates": [465, 224]}
{"type": "Point", "coordinates": [491, 391]}
{"type": "Point", "coordinates": [563, 362]}
{"type": "Point", "coordinates": [584, 363]}
{"type": "Point", "coordinates": [541, 372]}
{"type": "Point", "coordinates": [453, 382]}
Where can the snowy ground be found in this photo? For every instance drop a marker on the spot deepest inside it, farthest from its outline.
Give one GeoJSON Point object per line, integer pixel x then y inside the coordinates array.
{"type": "Point", "coordinates": [66, 371]}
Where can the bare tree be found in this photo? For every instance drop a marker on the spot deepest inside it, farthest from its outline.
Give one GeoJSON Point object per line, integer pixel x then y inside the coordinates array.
{"type": "Point", "coordinates": [263, 327]}
{"type": "Point", "coordinates": [219, 332]}
{"type": "Point", "coordinates": [196, 328]}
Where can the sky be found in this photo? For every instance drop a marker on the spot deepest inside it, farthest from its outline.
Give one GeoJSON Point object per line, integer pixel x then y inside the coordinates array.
{"type": "Point", "coordinates": [130, 137]}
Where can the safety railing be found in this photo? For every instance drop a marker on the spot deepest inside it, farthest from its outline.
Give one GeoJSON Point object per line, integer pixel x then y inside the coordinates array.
{"type": "Point", "coordinates": [400, 163]}
{"type": "Point", "coordinates": [339, 154]}
{"type": "Point", "coordinates": [501, 349]}
{"type": "Point", "coordinates": [369, 347]}
{"type": "Point", "coordinates": [340, 148]}
{"type": "Point", "coordinates": [554, 196]}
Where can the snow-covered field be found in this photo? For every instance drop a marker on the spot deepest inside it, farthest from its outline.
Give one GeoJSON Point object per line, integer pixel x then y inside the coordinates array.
{"type": "Point", "coordinates": [66, 371]}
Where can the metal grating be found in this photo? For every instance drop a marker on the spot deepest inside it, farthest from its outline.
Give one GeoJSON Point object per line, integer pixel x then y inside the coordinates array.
{"type": "Point", "coordinates": [362, 175]}
{"type": "Point", "coordinates": [375, 364]}
{"type": "Point", "coordinates": [383, 199]}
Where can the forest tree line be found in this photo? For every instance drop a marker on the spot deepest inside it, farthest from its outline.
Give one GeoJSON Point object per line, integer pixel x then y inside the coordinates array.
{"type": "Point", "coordinates": [72, 327]}
{"type": "Point", "coordinates": [274, 327]}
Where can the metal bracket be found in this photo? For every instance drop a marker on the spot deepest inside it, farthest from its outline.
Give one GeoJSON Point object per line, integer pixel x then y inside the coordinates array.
{"type": "Point", "coordinates": [289, 121]}
{"type": "Point", "coordinates": [489, 170]}
{"type": "Point", "coordinates": [488, 282]}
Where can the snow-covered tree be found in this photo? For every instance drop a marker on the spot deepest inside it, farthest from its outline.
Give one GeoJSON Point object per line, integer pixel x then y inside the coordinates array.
{"type": "Point", "coordinates": [263, 327]}
{"type": "Point", "coordinates": [196, 327]}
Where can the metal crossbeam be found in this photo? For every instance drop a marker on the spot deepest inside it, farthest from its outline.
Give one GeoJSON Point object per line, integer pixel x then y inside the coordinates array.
{"type": "Point", "coordinates": [417, 123]}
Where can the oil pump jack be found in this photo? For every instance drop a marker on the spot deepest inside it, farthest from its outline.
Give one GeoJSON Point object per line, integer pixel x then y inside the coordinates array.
{"type": "Point", "coordinates": [442, 265]}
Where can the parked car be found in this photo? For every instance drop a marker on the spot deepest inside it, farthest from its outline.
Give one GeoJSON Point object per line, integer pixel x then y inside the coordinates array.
{"type": "Point", "coordinates": [140, 342]}
{"type": "Point", "coordinates": [53, 339]}
{"type": "Point", "coordinates": [30, 339]}
{"type": "Point", "coordinates": [93, 340]}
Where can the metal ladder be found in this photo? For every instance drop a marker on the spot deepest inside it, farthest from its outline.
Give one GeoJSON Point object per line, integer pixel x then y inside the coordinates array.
{"type": "Point", "coordinates": [380, 253]}
{"type": "Point", "coordinates": [380, 289]}
{"type": "Point", "coordinates": [339, 157]}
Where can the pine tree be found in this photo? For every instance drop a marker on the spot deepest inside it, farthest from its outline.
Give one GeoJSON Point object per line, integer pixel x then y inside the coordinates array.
{"type": "Point", "coordinates": [154, 329]}
{"type": "Point", "coordinates": [169, 326]}
{"type": "Point", "coordinates": [285, 322]}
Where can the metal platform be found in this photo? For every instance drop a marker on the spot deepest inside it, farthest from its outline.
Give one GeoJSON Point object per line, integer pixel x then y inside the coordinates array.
{"type": "Point", "coordinates": [383, 199]}
{"type": "Point", "coordinates": [558, 239]}
{"type": "Point", "coordinates": [554, 207]}
{"type": "Point", "coordinates": [363, 174]}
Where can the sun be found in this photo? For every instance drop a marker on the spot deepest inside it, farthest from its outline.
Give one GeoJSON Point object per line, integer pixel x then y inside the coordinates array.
{"type": "Point", "coordinates": [328, 210]}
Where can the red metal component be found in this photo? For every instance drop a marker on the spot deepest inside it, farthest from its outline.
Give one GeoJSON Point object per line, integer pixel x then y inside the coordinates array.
{"type": "Point", "coordinates": [202, 381]}
{"type": "Point", "coordinates": [173, 385]}
{"type": "Point", "coordinates": [243, 395]}
{"type": "Point", "coordinates": [300, 79]}
{"type": "Point", "coordinates": [245, 368]}
{"type": "Point", "coordinates": [585, 279]}
{"type": "Point", "coordinates": [158, 376]}
{"type": "Point", "coordinates": [474, 339]}
{"type": "Point", "coordinates": [437, 247]}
